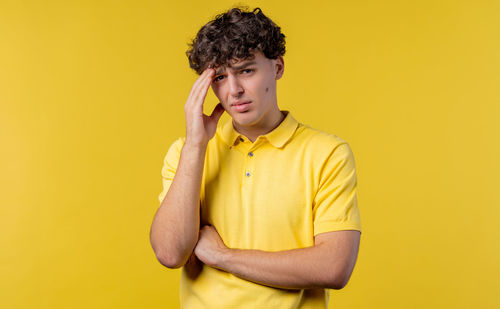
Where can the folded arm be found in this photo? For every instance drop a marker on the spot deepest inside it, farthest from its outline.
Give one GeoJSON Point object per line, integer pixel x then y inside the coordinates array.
{"type": "Point", "coordinates": [327, 264]}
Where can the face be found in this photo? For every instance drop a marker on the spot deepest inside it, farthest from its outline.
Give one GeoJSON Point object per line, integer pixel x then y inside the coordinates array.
{"type": "Point", "coordinates": [247, 89]}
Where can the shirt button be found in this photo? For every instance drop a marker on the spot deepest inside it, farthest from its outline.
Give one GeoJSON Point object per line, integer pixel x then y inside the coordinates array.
{"type": "Point", "coordinates": [250, 154]}
{"type": "Point", "coordinates": [248, 174]}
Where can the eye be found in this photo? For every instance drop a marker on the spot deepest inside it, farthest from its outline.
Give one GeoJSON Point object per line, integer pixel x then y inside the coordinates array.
{"type": "Point", "coordinates": [218, 78]}
{"type": "Point", "coordinates": [247, 70]}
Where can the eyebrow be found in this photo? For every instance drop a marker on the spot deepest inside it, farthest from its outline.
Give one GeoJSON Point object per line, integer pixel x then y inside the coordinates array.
{"type": "Point", "coordinates": [236, 68]}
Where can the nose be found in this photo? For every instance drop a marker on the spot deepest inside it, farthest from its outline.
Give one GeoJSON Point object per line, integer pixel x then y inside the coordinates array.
{"type": "Point", "coordinates": [235, 88]}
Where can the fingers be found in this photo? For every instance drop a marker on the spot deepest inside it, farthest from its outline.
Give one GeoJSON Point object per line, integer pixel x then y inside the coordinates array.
{"type": "Point", "coordinates": [203, 78]}
{"type": "Point", "coordinates": [203, 87]}
{"type": "Point", "coordinates": [199, 91]}
{"type": "Point", "coordinates": [200, 86]}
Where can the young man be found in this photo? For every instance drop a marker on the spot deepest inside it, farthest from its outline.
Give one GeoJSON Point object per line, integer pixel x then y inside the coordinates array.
{"type": "Point", "coordinates": [261, 212]}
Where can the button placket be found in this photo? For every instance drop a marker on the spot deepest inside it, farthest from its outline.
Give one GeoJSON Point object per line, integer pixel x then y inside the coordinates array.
{"type": "Point", "coordinates": [249, 165]}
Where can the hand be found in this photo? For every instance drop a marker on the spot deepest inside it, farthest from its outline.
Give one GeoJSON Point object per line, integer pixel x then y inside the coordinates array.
{"type": "Point", "coordinates": [200, 128]}
{"type": "Point", "coordinates": [210, 248]}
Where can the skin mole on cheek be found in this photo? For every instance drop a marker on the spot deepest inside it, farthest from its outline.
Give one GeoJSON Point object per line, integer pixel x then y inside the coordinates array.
{"type": "Point", "coordinates": [267, 89]}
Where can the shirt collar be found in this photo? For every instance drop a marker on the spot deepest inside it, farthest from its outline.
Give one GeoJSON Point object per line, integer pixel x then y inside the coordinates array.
{"type": "Point", "coordinates": [277, 137]}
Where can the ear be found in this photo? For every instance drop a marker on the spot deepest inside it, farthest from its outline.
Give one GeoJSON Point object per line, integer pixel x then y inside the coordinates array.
{"type": "Point", "coordinates": [279, 67]}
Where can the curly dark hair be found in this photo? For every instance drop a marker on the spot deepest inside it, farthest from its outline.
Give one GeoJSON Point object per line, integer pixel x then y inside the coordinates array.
{"type": "Point", "coordinates": [235, 34]}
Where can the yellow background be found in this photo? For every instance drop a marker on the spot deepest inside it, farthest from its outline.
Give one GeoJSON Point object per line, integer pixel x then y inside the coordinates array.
{"type": "Point", "coordinates": [92, 94]}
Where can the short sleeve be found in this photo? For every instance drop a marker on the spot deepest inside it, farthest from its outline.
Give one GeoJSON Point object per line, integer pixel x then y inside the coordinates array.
{"type": "Point", "coordinates": [335, 205]}
{"type": "Point", "coordinates": [170, 163]}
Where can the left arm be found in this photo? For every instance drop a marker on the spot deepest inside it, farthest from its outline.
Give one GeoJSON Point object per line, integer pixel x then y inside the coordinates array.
{"type": "Point", "coordinates": [327, 264]}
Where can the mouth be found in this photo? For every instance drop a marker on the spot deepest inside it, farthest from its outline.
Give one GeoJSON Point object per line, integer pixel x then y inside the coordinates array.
{"type": "Point", "coordinates": [240, 103]}
{"type": "Point", "coordinates": [241, 106]}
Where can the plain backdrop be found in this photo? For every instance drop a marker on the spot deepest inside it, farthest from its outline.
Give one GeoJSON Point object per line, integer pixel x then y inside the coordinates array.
{"type": "Point", "coordinates": [92, 95]}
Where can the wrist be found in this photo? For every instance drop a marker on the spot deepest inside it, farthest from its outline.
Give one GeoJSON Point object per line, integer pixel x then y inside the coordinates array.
{"type": "Point", "coordinates": [195, 146]}
{"type": "Point", "coordinates": [225, 258]}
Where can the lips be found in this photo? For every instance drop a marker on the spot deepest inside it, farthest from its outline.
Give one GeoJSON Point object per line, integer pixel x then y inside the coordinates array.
{"type": "Point", "coordinates": [241, 106]}
{"type": "Point", "coordinates": [240, 103]}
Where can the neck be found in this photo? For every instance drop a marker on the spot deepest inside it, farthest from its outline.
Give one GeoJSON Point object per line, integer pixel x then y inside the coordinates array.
{"type": "Point", "coordinates": [267, 125]}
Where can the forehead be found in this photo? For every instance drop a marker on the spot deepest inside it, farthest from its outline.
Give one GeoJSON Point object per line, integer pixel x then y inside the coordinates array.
{"type": "Point", "coordinates": [236, 64]}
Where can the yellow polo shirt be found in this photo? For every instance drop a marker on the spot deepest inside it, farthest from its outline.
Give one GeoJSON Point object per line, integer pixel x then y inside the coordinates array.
{"type": "Point", "coordinates": [274, 194]}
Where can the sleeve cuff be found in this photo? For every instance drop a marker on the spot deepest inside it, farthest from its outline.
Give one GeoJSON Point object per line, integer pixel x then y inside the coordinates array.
{"type": "Point", "coordinates": [330, 226]}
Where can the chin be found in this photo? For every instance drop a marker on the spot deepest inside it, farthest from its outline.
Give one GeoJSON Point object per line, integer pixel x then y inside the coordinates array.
{"type": "Point", "coordinates": [245, 119]}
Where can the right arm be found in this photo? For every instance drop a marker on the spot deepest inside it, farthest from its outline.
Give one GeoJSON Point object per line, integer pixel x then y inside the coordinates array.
{"type": "Point", "coordinates": [176, 224]}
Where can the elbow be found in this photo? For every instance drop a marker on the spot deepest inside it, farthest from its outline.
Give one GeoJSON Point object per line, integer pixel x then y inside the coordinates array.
{"type": "Point", "coordinates": [169, 261]}
{"type": "Point", "coordinates": [167, 255]}
{"type": "Point", "coordinates": [338, 280]}
{"type": "Point", "coordinates": [337, 285]}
